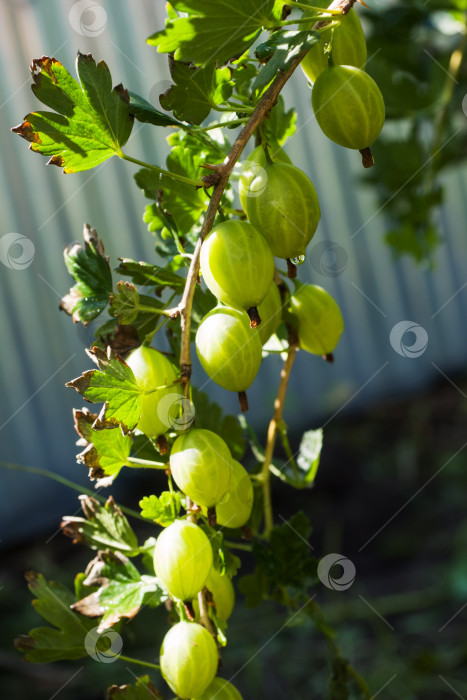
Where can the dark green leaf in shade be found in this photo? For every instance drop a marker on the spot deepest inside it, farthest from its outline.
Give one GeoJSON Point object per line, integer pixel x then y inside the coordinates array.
{"type": "Point", "coordinates": [196, 91]}
{"type": "Point", "coordinates": [90, 269]}
{"type": "Point", "coordinates": [146, 113]}
{"type": "Point", "coordinates": [209, 416]}
{"type": "Point", "coordinates": [279, 51]}
{"type": "Point", "coordinates": [143, 689]}
{"type": "Point", "coordinates": [65, 639]}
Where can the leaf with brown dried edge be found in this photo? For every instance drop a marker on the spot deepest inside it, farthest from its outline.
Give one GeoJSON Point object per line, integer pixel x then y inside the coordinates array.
{"type": "Point", "coordinates": [89, 267]}
{"type": "Point", "coordinates": [65, 639]}
{"type": "Point", "coordinates": [91, 122]}
{"type": "Point", "coordinates": [142, 690]}
{"type": "Point", "coordinates": [103, 527]}
{"type": "Point", "coordinates": [106, 446]}
{"type": "Point", "coordinates": [113, 384]}
{"type": "Point", "coordinates": [122, 590]}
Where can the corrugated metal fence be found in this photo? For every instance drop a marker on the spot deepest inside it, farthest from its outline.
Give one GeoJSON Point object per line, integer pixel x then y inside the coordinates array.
{"type": "Point", "coordinates": [41, 349]}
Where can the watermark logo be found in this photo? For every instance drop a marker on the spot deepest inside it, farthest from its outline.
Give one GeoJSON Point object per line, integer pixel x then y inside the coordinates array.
{"type": "Point", "coordinates": [16, 251]}
{"type": "Point", "coordinates": [331, 577]}
{"type": "Point", "coordinates": [328, 259]}
{"type": "Point", "coordinates": [88, 18]}
{"type": "Point", "coordinates": [104, 646]}
{"type": "Point", "coordinates": [249, 179]}
{"type": "Point", "coordinates": [176, 411]}
{"type": "Point", "coordinates": [409, 339]}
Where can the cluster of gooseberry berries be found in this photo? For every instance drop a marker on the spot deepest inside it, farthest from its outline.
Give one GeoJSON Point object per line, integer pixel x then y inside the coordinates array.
{"type": "Point", "coordinates": [280, 216]}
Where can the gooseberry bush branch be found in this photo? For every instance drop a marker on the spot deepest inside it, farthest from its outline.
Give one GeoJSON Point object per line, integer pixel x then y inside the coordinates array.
{"type": "Point", "coordinates": [151, 416]}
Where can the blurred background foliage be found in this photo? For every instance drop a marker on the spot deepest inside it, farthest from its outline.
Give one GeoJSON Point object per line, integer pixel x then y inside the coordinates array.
{"type": "Point", "coordinates": [392, 468]}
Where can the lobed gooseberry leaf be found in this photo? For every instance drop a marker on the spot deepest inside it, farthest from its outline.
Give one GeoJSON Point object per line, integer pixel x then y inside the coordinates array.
{"type": "Point", "coordinates": [89, 267]}
{"type": "Point", "coordinates": [223, 560]}
{"type": "Point", "coordinates": [213, 31]}
{"type": "Point", "coordinates": [65, 639]}
{"type": "Point", "coordinates": [122, 591]}
{"type": "Point", "coordinates": [285, 562]}
{"type": "Point", "coordinates": [209, 416]}
{"type": "Point", "coordinates": [196, 91]}
{"type": "Point", "coordinates": [107, 448]}
{"type": "Point", "coordinates": [113, 384]}
{"type": "Point", "coordinates": [280, 50]}
{"type": "Point", "coordinates": [142, 690]}
{"type": "Point", "coordinates": [129, 306]}
{"type": "Point", "coordinates": [103, 527]}
{"type": "Point", "coordinates": [163, 509]}
{"type": "Point", "coordinates": [91, 121]}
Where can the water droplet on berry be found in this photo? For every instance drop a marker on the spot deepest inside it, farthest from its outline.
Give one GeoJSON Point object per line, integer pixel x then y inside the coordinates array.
{"type": "Point", "coordinates": [299, 260]}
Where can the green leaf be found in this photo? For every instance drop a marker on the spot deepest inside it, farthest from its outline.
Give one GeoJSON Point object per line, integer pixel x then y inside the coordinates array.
{"type": "Point", "coordinates": [103, 527]}
{"type": "Point", "coordinates": [163, 509]}
{"type": "Point", "coordinates": [178, 204]}
{"type": "Point", "coordinates": [90, 269]}
{"type": "Point", "coordinates": [196, 91]}
{"type": "Point", "coordinates": [107, 448]}
{"type": "Point", "coordinates": [129, 306]}
{"type": "Point", "coordinates": [144, 274]}
{"type": "Point", "coordinates": [307, 462]}
{"type": "Point", "coordinates": [214, 31]}
{"type": "Point", "coordinates": [65, 640]}
{"type": "Point", "coordinates": [209, 416]}
{"type": "Point", "coordinates": [114, 384]}
{"type": "Point", "coordinates": [285, 561]}
{"type": "Point", "coordinates": [143, 689]}
{"type": "Point", "coordinates": [309, 454]}
{"type": "Point", "coordinates": [280, 50]}
{"type": "Point", "coordinates": [146, 113]}
{"type": "Point", "coordinates": [122, 590]}
{"type": "Point", "coordinates": [223, 560]}
{"type": "Point", "coordinates": [281, 125]}
{"type": "Point", "coordinates": [91, 121]}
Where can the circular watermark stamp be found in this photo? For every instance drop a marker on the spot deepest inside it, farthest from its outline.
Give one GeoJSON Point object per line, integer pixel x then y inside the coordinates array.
{"type": "Point", "coordinates": [16, 251]}
{"type": "Point", "coordinates": [176, 411]}
{"type": "Point", "coordinates": [104, 646]}
{"type": "Point", "coordinates": [249, 179]}
{"type": "Point", "coordinates": [408, 339]}
{"type": "Point", "coordinates": [336, 572]}
{"type": "Point", "coordinates": [464, 105]}
{"type": "Point", "coordinates": [328, 258]}
{"type": "Point", "coordinates": [88, 18]}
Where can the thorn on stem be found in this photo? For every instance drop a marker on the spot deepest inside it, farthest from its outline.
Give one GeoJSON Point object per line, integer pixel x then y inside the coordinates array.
{"type": "Point", "coordinates": [367, 158]}
{"type": "Point", "coordinates": [175, 313]}
{"type": "Point", "coordinates": [291, 270]}
{"type": "Point", "coordinates": [254, 316]}
{"type": "Point", "coordinates": [185, 371]}
{"type": "Point", "coordinates": [243, 401]}
{"type": "Point", "coordinates": [210, 180]}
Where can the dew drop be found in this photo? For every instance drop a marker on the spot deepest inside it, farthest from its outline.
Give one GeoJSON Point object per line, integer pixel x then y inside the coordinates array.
{"type": "Point", "coordinates": [299, 260]}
